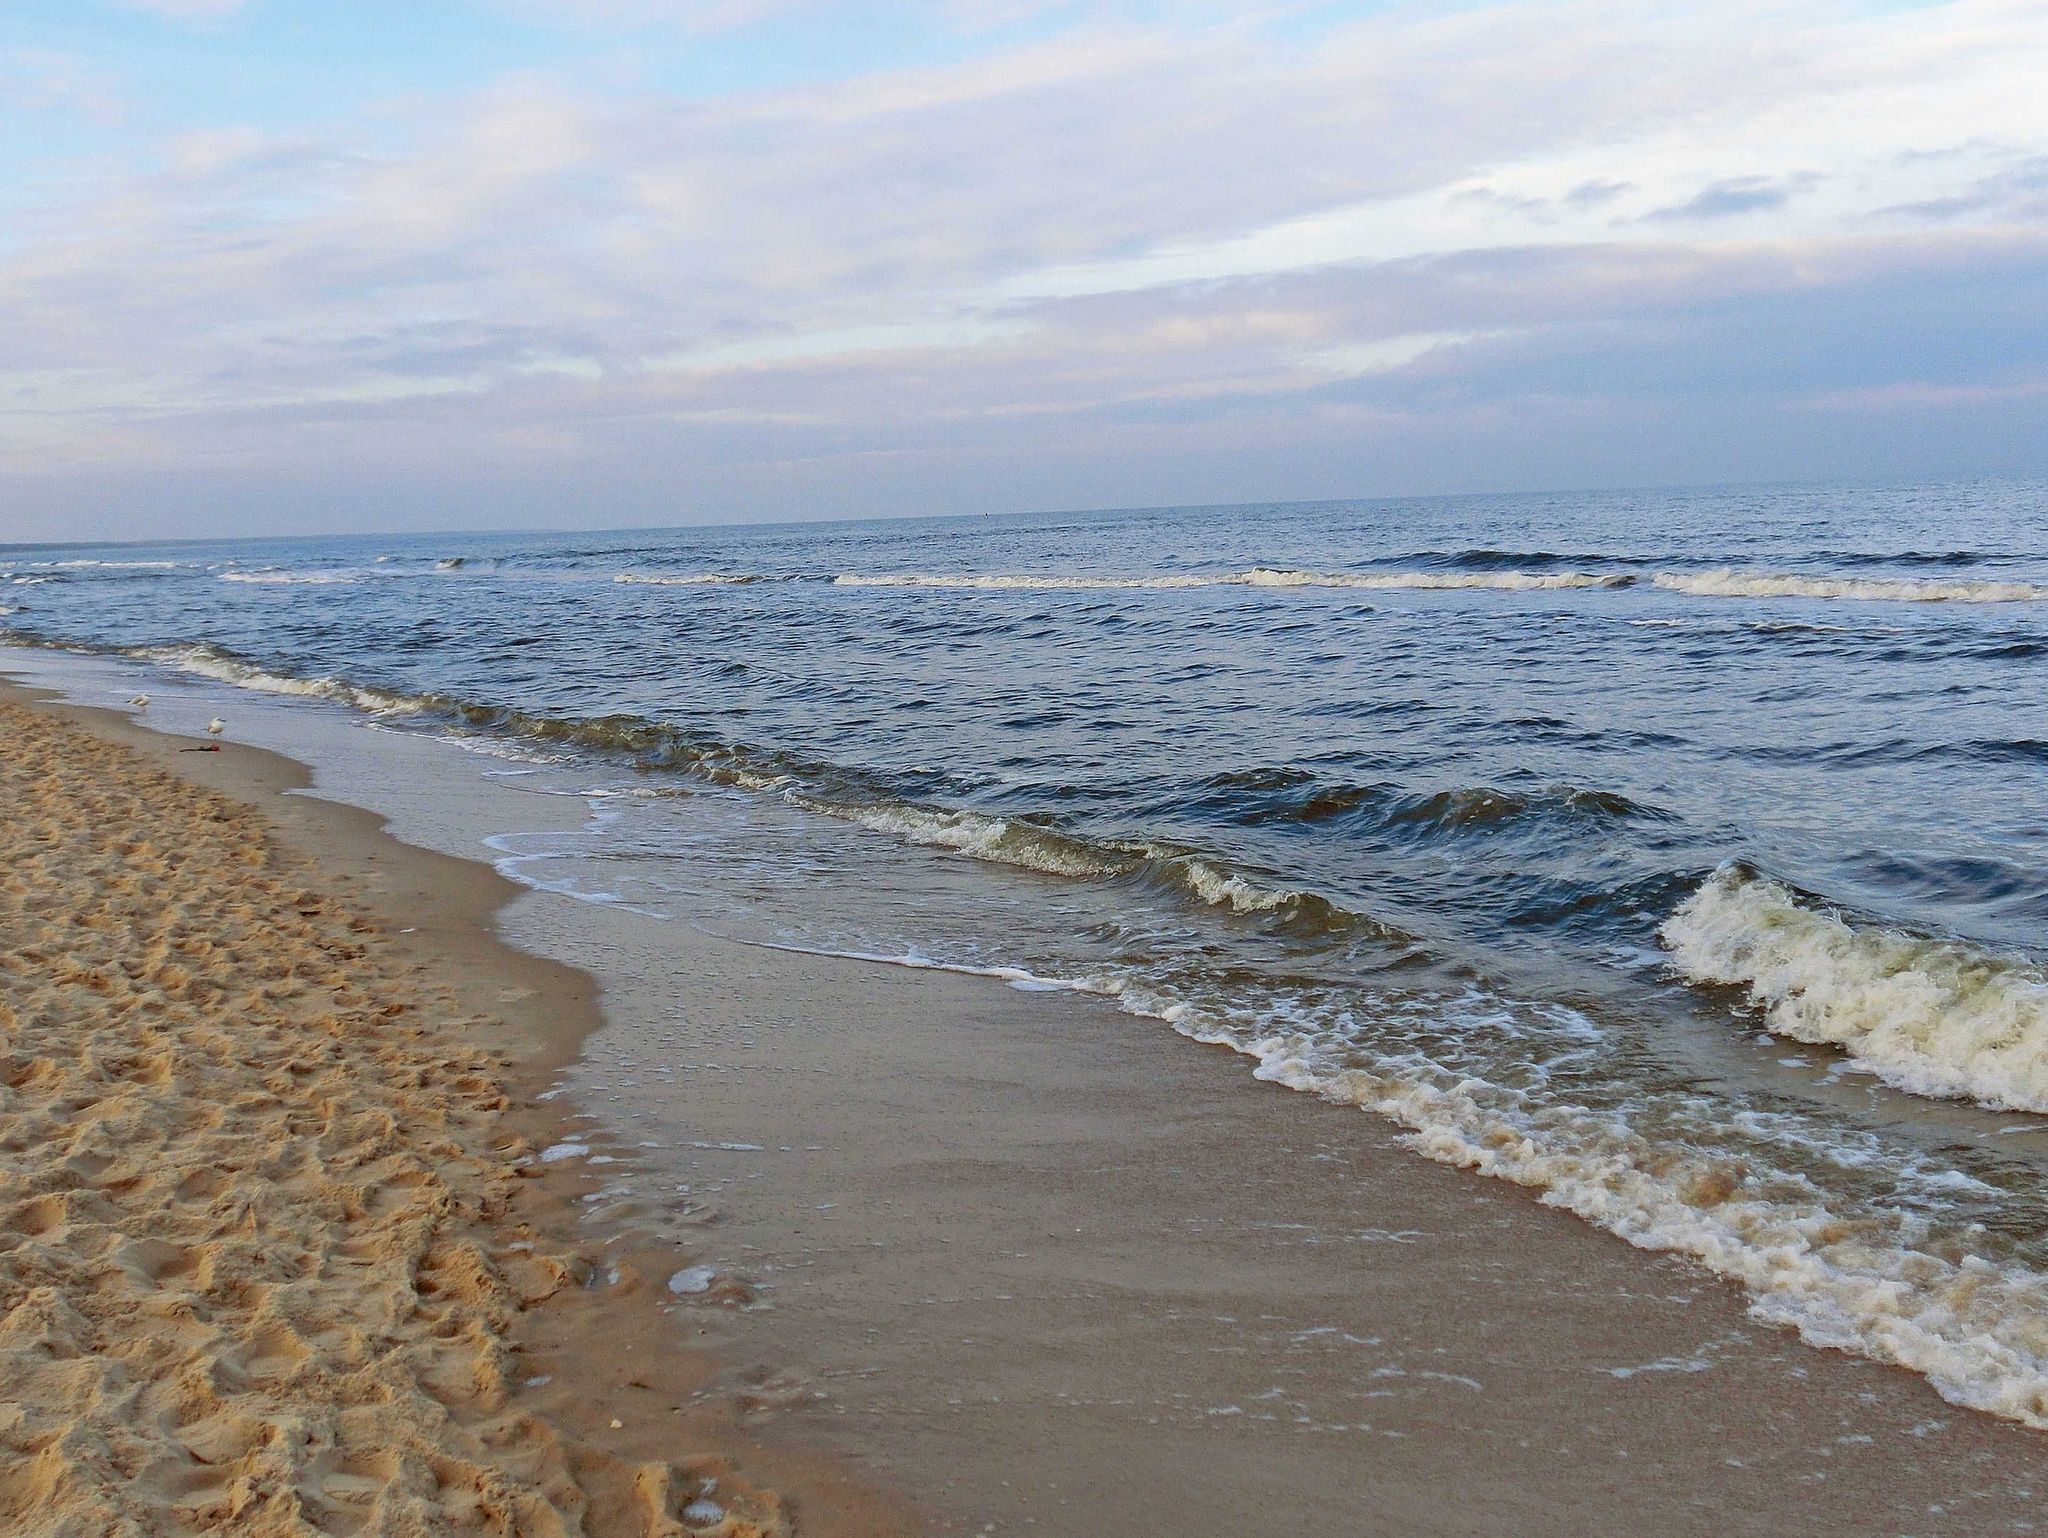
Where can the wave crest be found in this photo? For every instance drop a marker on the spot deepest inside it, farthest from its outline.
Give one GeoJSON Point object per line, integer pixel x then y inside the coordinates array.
{"type": "Point", "coordinates": [209, 662]}
{"type": "Point", "coordinates": [1503, 581]}
{"type": "Point", "coordinates": [1031, 845]}
{"type": "Point", "coordinates": [1729, 583]}
{"type": "Point", "coordinates": [1002, 840]}
{"type": "Point", "coordinates": [1936, 1017]}
{"type": "Point", "coordinates": [1257, 576]}
{"type": "Point", "coordinates": [280, 577]}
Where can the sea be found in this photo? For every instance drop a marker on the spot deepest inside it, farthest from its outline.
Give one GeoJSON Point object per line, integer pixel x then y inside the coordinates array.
{"type": "Point", "coordinates": [1679, 856]}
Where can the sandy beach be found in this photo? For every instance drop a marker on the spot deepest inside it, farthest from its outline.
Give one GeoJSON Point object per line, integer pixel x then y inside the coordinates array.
{"type": "Point", "coordinates": [275, 1258]}
{"type": "Point", "coordinates": [804, 769]}
{"type": "Point", "coordinates": [283, 1255]}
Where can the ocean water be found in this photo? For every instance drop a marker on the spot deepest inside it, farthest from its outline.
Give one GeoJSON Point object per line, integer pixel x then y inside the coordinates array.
{"type": "Point", "coordinates": [1682, 857]}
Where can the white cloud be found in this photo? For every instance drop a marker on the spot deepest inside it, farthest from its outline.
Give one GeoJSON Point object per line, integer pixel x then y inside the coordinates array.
{"type": "Point", "coordinates": [1112, 226]}
{"type": "Point", "coordinates": [187, 10]}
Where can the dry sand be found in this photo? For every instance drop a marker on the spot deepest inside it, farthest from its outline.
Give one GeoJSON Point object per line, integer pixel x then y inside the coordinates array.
{"type": "Point", "coordinates": [268, 1264]}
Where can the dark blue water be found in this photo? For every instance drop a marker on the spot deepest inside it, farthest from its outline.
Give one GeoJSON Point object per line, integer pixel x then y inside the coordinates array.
{"type": "Point", "coordinates": [1677, 855]}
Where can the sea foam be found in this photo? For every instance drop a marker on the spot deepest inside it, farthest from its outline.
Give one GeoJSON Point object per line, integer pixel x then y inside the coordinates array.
{"type": "Point", "coordinates": [1930, 1016]}
{"type": "Point", "coordinates": [209, 663]}
{"type": "Point", "coordinates": [1031, 846]}
{"type": "Point", "coordinates": [1257, 576]}
{"type": "Point", "coordinates": [1002, 840]}
{"type": "Point", "coordinates": [1729, 583]}
{"type": "Point", "coordinates": [280, 577]}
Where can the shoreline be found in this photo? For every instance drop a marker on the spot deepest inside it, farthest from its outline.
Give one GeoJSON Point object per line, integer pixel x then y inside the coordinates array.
{"type": "Point", "coordinates": [1027, 1305]}
{"type": "Point", "coordinates": [635, 1403]}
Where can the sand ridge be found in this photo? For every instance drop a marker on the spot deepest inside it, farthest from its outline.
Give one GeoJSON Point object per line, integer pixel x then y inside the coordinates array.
{"type": "Point", "coordinates": [257, 1267]}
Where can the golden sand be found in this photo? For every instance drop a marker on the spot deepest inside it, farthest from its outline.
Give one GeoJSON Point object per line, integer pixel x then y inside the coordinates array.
{"type": "Point", "coordinates": [258, 1271]}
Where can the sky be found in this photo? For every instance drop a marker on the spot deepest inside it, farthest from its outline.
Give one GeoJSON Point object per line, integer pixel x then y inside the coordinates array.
{"type": "Point", "coordinates": [291, 266]}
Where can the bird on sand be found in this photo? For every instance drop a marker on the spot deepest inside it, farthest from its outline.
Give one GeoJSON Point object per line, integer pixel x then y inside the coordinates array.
{"type": "Point", "coordinates": [215, 727]}
{"type": "Point", "coordinates": [139, 701]}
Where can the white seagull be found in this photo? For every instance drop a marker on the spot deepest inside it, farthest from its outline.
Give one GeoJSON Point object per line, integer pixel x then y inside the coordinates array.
{"type": "Point", "coordinates": [215, 727]}
{"type": "Point", "coordinates": [139, 701]}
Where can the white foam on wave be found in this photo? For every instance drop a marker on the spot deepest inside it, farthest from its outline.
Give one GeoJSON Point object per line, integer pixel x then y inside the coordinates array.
{"type": "Point", "coordinates": [1220, 887]}
{"type": "Point", "coordinates": [1930, 1016]}
{"type": "Point", "coordinates": [999, 582]}
{"type": "Point", "coordinates": [295, 578]}
{"type": "Point", "coordinates": [685, 579]}
{"type": "Point", "coordinates": [1001, 840]}
{"type": "Point", "coordinates": [81, 565]}
{"type": "Point", "coordinates": [1010, 841]}
{"type": "Point", "coordinates": [1228, 889]}
{"type": "Point", "coordinates": [207, 663]}
{"type": "Point", "coordinates": [1729, 583]}
{"type": "Point", "coordinates": [743, 777]}
{"type": "Point", "coordinates": [1500, 581]}
{"type": "Point", "coordinates": [1257, 576]}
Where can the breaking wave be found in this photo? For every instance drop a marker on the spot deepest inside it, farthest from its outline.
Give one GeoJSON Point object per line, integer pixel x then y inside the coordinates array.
{"type": "Point", "coordinates": [342, 576]}
{"type": "Point", "coordinates": [1929, 1016]}
{"type": "Point", "coordinates": [211, 662]}
{"type": "Point", "coordinates": [1002, 840]}
{"type": "Point", "coordinates": [1000, 582]}
{"type": "Point", "coordinates": [294, 578]}
{"type": "Point", "coordinates": [1505, 581]}
{"type": "Point", "coordinates": [1031, 845]}
{"type": "Point", "coordinates": [1729, 583]}
{"type": "Point", "coordinates": [1257, 576]}
{"type": "Point", "coordinates": [1725, 582]}
{"type": "Point", "coordinates": [82, 564]}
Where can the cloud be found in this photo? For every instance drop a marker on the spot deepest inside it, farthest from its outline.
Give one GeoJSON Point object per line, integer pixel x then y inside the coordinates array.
{"type": "Point", "coordinates": [1478, 225]}
{"type": "Point", "coordinates": [2016, 191]}
{"type": "Point", "coordinates": [186, 10]}
{"type": "Point", "coordinates": [1736, 195]}
{"type": "Point", "coordinates": [1593, 194]}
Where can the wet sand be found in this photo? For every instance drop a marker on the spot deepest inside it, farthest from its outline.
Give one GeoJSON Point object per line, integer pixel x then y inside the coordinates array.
{"type": "Point", "coordinates": [1033, 1265]}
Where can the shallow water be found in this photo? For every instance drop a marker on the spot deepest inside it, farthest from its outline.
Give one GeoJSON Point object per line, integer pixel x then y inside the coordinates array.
{"type": "Point", "coordinates": [1676, 855]}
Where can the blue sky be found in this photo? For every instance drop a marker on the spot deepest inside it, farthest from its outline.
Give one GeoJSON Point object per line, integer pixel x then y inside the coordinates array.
{"type": "Point", "coordinates": [282, 266]}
